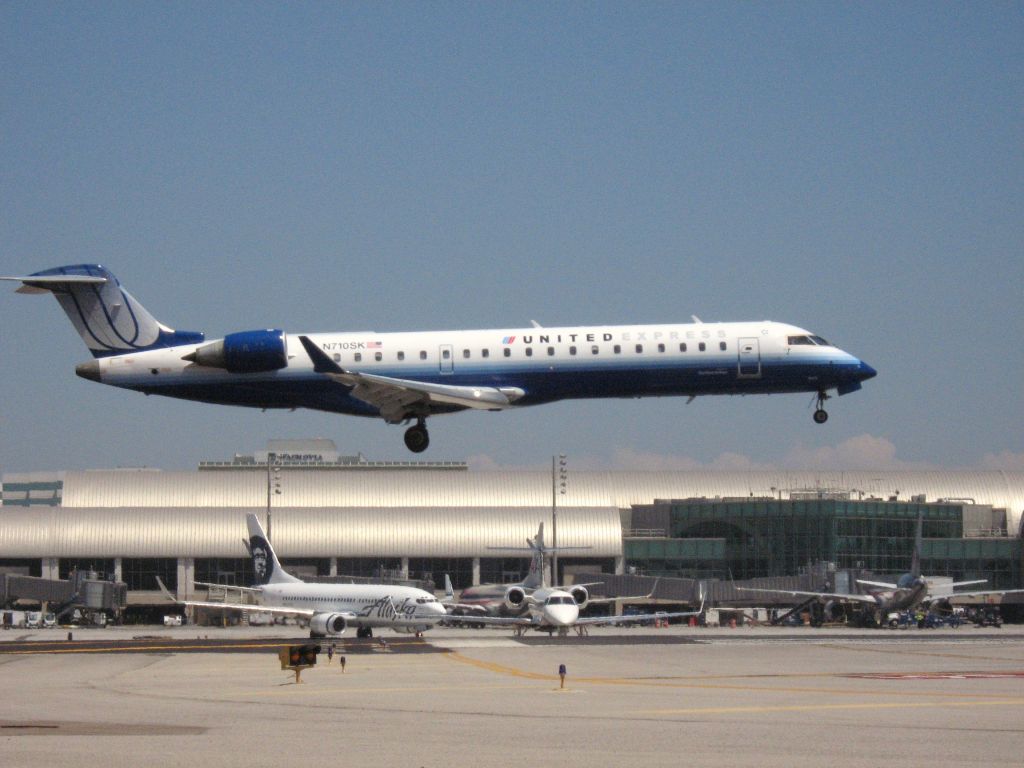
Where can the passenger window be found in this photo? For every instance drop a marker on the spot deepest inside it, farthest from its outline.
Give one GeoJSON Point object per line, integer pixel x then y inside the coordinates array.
{"type": "Point", "coordinates": [465, 354]}
{"type": "Point", "coordinates": [508, 352]}
{"type": "Point", "coordinates": [551, 351]}
{"type": "Point", "coordinates": [337, 357]}
{"type": "Point", "coordinates": [423, 354]}
{"type": "Point", "coordinates": [529, 351]}
{"type": "Point", "coordinates": [485, 353]}
{"type": "Point", "coordinates": [722, 345]}
{"type": "Point", "coordinates": [682, 347]}
{"type": "Point", "coordinates": [401, 355]}
{"type": "Point", "coordinates": [378, 356]}
{"type": "Point", "coordinates": [661, 347]}
{"type": "Point", "coordinates": [572, 350]}
{"type": "Point", "coordinates": [446, 353]}
{"type": "Point", "coordinates": [595, 349]}
{"type": "Point", "coordinates": [358, 356]}
{"type": "Point", "coordinates": [702, 346]}
{"type": "Point", "coordinates": [617, 349]}
{"type": "Point", "coordinates": [639, 349]}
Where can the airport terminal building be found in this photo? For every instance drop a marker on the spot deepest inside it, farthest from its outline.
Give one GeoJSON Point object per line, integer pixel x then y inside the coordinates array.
{"type": "Point", "coordinates": [331, 515]}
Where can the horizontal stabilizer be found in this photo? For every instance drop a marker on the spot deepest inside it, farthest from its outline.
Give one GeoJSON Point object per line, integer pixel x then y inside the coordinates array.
{"type": "Point", "coordinates": [51, 283]}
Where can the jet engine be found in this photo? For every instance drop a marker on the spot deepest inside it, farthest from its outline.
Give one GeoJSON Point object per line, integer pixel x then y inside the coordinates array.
{"type": "Point", "coordinates": [244, 352]}
{"type": "Point", "coordinates": [514, 598]}
{"type": "Point", "coordinates": [324, 624]}
{"type": "Point", "coordinates": [580, 595]}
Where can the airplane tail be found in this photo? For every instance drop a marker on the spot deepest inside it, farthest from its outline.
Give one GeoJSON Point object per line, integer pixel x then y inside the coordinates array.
{"type": "Point", "coordinates": [107, 317]}
{"type": "Point", "coordinates": [535, 578]}
{"type": "Point", "coordinates": [265, 563]}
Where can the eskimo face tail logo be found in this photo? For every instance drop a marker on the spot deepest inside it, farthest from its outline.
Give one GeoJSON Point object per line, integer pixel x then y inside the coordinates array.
{"type": "Point", "coordinates": [262, 562]}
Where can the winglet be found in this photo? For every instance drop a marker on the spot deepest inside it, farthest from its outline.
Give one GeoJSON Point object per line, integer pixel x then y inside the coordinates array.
{"type": "Point", "coordinates": [321, 362]}
{"type": "Point", "coordinates": [167, 592]}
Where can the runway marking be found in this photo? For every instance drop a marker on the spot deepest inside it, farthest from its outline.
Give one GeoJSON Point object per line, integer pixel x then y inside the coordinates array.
{"type": "Point", "coordinates": [138, 649]}
{"type": "Point", "coordinates": [759, 709]}
{"type": "Point", "coordinates": [890, 651]}
{"type": "Point", "coordinates": [703, 683]}
{"type": "Point", "coordinates": [933, 675]}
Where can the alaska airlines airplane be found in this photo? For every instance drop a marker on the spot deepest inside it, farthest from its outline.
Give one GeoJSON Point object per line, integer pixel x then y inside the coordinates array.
{"type": "Point", "coordinates": [330, 608]}
{"type": "Point", "coordinates": [407, 377]}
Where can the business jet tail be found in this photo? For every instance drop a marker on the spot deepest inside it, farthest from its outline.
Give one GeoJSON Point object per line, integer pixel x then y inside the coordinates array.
{"type": "Point", "coordinates": [107, 317]}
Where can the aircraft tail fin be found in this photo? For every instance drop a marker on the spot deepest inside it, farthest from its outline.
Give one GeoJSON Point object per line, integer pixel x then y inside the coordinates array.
{"type": "Point", "coordinates": [535, 578]}
{"type": "Point", "coordinates": [265, 563]}
{"type": "Point", "coordinates": [108, 318]}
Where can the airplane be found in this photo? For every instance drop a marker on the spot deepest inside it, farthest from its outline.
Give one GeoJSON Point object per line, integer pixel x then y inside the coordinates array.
{"type": "Point", "coordinates": [505, 599]}
{"type": "Point", "coordinates": [532, 604]}
{"type": "Point", "coordinates": [405, 378]}
{"type": "Point", "coordinates": [330, 608]}
{"type": "Point", "coordinates": [557, 609]}
{"type": "Point", "coordinates": [883, 598]}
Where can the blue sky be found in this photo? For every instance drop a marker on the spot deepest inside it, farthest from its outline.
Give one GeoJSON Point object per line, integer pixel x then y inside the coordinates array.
{"type": "Point", "coordinates": [855, 169]}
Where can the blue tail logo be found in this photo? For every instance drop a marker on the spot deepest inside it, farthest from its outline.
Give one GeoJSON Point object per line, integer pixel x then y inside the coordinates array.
{"type": "Point", "coordinates": [107, 317]}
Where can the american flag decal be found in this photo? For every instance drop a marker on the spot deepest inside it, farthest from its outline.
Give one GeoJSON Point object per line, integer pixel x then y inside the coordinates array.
{"type": "Point", "coordinates": [373, 345]}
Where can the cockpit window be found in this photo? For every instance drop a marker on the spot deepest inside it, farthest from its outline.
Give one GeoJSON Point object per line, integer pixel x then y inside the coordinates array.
{"type": "Point", "coordinates": [808, 341]}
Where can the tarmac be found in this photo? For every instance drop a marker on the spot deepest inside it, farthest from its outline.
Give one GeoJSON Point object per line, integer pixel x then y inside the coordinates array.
{"type": "Point", "coordinates": [128, 696]}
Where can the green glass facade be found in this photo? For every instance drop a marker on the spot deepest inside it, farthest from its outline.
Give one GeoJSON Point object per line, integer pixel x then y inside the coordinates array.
{"type": "Point", "coordinates": [758, 537]}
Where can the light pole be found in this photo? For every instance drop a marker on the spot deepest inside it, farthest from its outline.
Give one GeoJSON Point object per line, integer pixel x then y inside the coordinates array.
{"type": "Point", "coordinates": [559, 478]}
{"type": "Point", "coordinates": [273, 485]}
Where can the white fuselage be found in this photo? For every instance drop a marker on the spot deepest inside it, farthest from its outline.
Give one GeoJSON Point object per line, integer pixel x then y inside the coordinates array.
{"type": "Point", "coordinates": [404, 609]}
{"type": "Point", "coordinates": [537, 364]}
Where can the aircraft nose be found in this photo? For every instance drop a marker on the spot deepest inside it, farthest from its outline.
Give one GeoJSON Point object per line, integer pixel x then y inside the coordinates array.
{"type": "Point", "coordinates": [865, 371]}
{"type": "Point", "coordinates": [563, 615]}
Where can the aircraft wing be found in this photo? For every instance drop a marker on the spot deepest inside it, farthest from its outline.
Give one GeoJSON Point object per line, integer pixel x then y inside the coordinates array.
{"type": "Point", "coordinates": [879, 584]}
{"type": "Point", "coordinates": [504, 621]}
{"type": "Point", "coordinates": [590, 621]}
{"type": "Point", "coordinates": [981, 593]}
{"type": "Point", "coordinates": [279, 611]}
{"type": "Point", "coordinates": [226, 586]}
{"type": "Point", "coordinates": [867, 599]}
{"type": "Point", "coordinates": [394, 397]}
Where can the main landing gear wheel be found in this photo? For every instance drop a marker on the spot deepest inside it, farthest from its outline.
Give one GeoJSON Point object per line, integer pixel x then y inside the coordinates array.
{"type": "Point", "coordinates": [417, 438]}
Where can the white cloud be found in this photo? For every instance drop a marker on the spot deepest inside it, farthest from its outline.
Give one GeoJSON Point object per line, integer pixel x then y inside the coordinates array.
{"type": "Point", "coordinates": [862, 452]}
{"type": "Point", "coordinates": [1007, 461]}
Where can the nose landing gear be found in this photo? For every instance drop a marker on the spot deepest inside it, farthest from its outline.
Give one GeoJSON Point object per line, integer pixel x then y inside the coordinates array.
{"type": "Point", "coordinates": [820, 414]}
{"type": "Point", "coordinates": [416, 437]}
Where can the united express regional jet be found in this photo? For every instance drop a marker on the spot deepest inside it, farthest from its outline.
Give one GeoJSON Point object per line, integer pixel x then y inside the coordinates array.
{"type": "Point", "coordinates": [406, 377]}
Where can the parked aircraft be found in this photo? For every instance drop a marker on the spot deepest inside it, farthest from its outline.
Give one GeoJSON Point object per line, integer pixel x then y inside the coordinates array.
{"type": "Point", "coordinates": [557, 609]}
{"type": "Point", "coordinates": [532, 604]}
{"type": "Point", "coordinates": [330, 608]}
{"type": "Point", "coordinates": [505, 599]}
{"type": "Point", "coordinates": [408, 377]}
{"type": "Point", "coordinates": [907, 593]}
